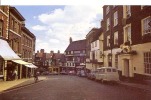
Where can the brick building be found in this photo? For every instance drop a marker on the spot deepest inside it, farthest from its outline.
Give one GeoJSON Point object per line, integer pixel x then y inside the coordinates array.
{"type": "Point", "coordinates": [127, 40]}
{"type": "Point", "coordinates": [11, 47]}
{"type": "Point", "coordinates": [75, 55]}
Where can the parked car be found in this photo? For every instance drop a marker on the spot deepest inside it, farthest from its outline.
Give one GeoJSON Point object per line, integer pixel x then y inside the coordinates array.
{"type": "Point", "coordinates": [91, 75]}
{"type": "Point", "coordinates": [82, 73]}
{"type": "Point", "coordinates": [63, 72]}
{"type": "Point", "coordinates": [71, 72]}
{"type": "Point", "coordinates": [107, 74]}
{"type": "Point", "coordinates": [45, 73]}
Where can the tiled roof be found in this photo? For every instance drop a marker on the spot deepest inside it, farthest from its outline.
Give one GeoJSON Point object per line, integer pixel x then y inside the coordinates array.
{"type": "Point", "coordinates": [77, 45]}
{"type": "Point", "coordinates": [49, 55]}
{"type": "Point", "coordinates": [57, 55]}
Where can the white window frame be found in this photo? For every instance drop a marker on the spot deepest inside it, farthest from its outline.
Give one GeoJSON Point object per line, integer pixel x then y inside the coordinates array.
{"type": "Point", "coordinates": [128, 11]}
{"type": "Point", "coordinates": [108, 41]}
{"type": "Point", "coordinates": [127, 33]}
{"type": "Point", "coordinates": [116, 38]}
{"type": "Point", "coordinates": [147, 62]}
{"type": "Point", "coordinates": [115, 18]}
{"type": "Point", "coordinates": [107, 10]}
{"type": "Point", "coordinates": [1, 28]}
{"type": "Point", "coordinates": [116, 60]}
{"type": "Point", "coordinates": [108, 24]}
{"type": "Point", "coordinates": [146, 29]}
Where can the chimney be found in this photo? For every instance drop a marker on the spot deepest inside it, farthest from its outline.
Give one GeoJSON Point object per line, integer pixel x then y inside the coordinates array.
{"type": "Point", "coordinates": [58, 51]}
{"type": "Point", "coordinates": [42, 51]}
{"type": "Point", "coordinates": [51, 51]}
{"type": "Point", "coordinates": [70, 40]}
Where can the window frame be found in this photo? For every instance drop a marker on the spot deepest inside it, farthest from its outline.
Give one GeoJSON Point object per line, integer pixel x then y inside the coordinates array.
{"type": "Point", "coordinates": [116, 18]}
{"type": "Point", "coordinates": [147, 62]}
{"type": "Point", "coordinates": [145, 29]}
{"type": "Point", "coordinates": [1, 27]}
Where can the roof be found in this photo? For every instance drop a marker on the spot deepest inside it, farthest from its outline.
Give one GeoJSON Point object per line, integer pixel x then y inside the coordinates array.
{"type": "Point", "coordinates": [17, 14]}
{"type": "Point", "coordinates": [27, 31]}
{"type": "Point", "coordinates": [63, 58]}
{"type": "Point", "coordinates": [95, 33]}
{"type": "Point", "coordinates": [49, 55]}
{"type": "Point", "coordinates": [77, 45]}
{"type": "Point", "coordinates": [57, 55]}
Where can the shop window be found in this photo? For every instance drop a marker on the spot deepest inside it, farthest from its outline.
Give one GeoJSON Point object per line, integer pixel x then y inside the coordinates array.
{"type": "Point", "coordinates": [147, 62]}
{"type": "Point", "coordinates": [1, 66]}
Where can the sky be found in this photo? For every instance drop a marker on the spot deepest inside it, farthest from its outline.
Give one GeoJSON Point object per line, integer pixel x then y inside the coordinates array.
{"type": "Point", "coordinates": [53, 22]}
{"type": "Point", "coordinates": [53, 25]}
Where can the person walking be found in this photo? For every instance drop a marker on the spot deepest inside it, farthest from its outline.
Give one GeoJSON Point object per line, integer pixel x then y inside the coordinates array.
{"type": "Point", "coordinates": [15, 74]}
{"type": "Point", "coordinates": [36, 76]}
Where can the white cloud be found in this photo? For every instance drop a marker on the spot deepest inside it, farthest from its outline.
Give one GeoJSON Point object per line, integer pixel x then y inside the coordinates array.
{"type": "Point", "coordinates": [60, 24]}
{"type": "Point", "coordinates": [39, 28]}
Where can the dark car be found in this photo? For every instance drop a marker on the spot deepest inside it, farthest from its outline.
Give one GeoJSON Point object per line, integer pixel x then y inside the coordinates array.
{"type": "Point", "coordinates": [91, 75]}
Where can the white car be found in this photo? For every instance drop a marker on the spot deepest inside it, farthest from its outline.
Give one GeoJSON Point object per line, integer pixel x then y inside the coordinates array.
{"type": "Point", "coordinates": [107, 74]}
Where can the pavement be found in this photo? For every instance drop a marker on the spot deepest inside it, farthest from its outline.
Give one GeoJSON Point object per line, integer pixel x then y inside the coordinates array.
{"type": "Point", "coordinates": [145, 86]}
{"type": "Point", "coordinates": [10, 85]}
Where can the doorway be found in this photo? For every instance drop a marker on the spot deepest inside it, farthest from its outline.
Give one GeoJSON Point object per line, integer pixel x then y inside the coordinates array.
{"type": "Point", "coordinates": [126, 67]}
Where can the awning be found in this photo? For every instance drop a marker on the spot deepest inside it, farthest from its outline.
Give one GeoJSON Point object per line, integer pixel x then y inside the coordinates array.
{"type": "Point", "coordinates": [31, 65]}
{"type": "Point", "coordinates": [6, 52]}
{"type": "Point", "coordinates": [20, 62]}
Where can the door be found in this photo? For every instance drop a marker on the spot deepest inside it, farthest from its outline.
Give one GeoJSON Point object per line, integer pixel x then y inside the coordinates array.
{"type": "Point", "coordinates": [126, 67]}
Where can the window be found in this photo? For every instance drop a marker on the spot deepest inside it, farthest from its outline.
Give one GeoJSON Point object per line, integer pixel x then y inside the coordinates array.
{"type": "Point", "coordinates": [109, 60]}
{"type": "Point", "coordinates": [146, 28]}
{"type": "Point", "coordinates": [1, 28]}
{"type": "Point", "coordinates": [116, 38]}
{"type": "Point", "coordinates": [108, 24]}
{"type": "Point", "coordinates": [147, 62]}
{"type": "Point", "coordinates": [2, 8]}
{"type": "Point", "coordinates": [108, 41]}
{"type": "Point", "coordinates": [114, 70]}
{"type": "Point", "coordinates": [115, 18]}
{"type": "Point", "coordinates": [107, 10]}
{"type": "Point", "coordinates": [1, 66]}
{"type": "Point", "coordinates": [128, 11]}
{"type": "Point", "coordinates": [127, 33]}
{"type": "Point", "coordinates": [108, 70]}
{"type": "Point", "coordinates": [95, 43]}
{"type": "Point", "coordinates": [116, 61]}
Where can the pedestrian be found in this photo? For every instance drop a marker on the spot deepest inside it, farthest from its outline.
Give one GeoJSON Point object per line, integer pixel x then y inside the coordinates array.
{"type": "Point", "coordinates": [15, 74]}
{"type": "Point", "coordinates": [29, 74]}
{"type": "Point", "coordinates": [36, 76]}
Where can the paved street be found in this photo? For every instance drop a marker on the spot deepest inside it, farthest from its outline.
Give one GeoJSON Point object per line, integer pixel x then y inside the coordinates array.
{"type": "Point", "coordinates": [74, 88]}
